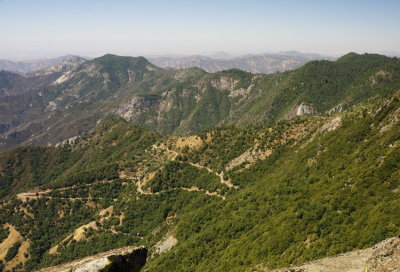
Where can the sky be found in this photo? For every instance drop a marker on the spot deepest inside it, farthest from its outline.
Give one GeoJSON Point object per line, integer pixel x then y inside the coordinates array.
{"type": "Point", "coordinates": [49, 28]}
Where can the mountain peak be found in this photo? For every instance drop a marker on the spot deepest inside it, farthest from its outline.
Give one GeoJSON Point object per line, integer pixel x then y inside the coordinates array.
{"type": "Point", "coordinates": [113, 57]}
{"type": "Point", "coordinates": [111, 61]}
{"type": "Point", "coordinates": [348, 56]}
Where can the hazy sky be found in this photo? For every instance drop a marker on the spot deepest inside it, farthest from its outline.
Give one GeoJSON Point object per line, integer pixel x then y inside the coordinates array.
{"type": "Point", "coordinates": [47, 28]}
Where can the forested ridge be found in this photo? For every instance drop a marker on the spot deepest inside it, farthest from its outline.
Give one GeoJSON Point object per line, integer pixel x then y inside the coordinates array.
{"type": "Point", "coordinates": [235, 197]}
{"type": "Point", "coordinates": [42, 110]}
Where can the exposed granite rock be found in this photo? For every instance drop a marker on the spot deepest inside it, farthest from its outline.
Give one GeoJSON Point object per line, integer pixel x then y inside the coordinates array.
{"type": "Point", "coordinates": [165, 244]}
{"type": "Point", "coordinates": [337, 108]}
{"type": "Point", "coordinates": [134, 107]}
{"type": "Point", "coordinates": [132, 262]}
{"type": "Point", "coordinates": [385, 258]}
{"type": "Point", "coordinates": [128, 259]}
{"type": "Point", "coordinates": [382, 257]}
{"type": "Point", "coordinates": [67, 64]}
{"type": "Point", "coordinates": [224, 83]}
{"type": "Point", "coordinates": [305, 109]}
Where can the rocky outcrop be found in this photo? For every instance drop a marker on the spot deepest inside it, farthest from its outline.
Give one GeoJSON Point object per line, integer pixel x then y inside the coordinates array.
{"type": "Point", "coordinates": [134, 107]}
{"type": "Point", "coordinates": [165, 244]}
{"type": "Point", "coordinates": [383, 257]}
{"type": "Point", "coordinates": [305, 109]}
{"type": "Point", "coordinates": [337, 108]}
{"type": "Point", "coordinates": [132, 262]}
{"type": "Point", "coordinates": [224, 83]}
{"type": "Point", "coordinates": [67, 64]}
{"type": "Point", "coordinates": [128, 259]}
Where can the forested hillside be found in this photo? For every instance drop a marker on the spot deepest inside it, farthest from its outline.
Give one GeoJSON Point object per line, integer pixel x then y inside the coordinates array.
{"type": "Point", "coordinates": [232, 198]}
{"type": "Point", "coordinates": [182, 102]}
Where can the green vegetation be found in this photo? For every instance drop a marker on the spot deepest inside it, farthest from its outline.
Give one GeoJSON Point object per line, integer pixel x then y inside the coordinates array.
{"type": "Point", "coordinates": [266, 194]}
{"type": "Point", "coordinates": [178, 174]}
{"type": "Point", "coordinates": [189, 101]}
{"type": "Point", "coordinates": [336, 194]}
{"type": "Point", "coordinates": [12, 251]}
{"type": "Point", "coordinates": [317, 193]}
{"type": "Point", "coordinates": [4, 232]}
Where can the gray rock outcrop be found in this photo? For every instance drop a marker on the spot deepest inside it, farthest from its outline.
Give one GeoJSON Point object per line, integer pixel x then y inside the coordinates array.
{"type": "Point", "coordinates": [305, 109]}
{"type": "Point", "coordinates": [128, 259]}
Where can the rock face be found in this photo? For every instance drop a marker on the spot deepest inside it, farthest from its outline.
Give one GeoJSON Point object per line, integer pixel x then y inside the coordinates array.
{"type": "Point", "coordinates": [337, 108]}
{"type": "Point", "coordinates": [68, 63]}
{"type": "Point", "coordinates": [383, 257]}
{"type": "Point", "coordinates": [304, 109]}
{"type": "Point", "coordinates": [165, 244]}
{"type": "Point", "coordinates": [34, 108]}
{"type": "Point", "coordinates": [133, 108]}
{"type": "Point", "coordinates": [128, 259]}
{"type": "Point", "coordinates": [132, 262]}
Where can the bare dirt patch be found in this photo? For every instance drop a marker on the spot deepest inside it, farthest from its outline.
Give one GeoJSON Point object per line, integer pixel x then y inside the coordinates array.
{"type": "Point", "coordinates": [13, 237]}
{"type": "Point", "coordinates": [249, 157]}
{"type": "Point", "coordinates": [192, 142]}
{"type": "Point", "coordinates": [77, 235]}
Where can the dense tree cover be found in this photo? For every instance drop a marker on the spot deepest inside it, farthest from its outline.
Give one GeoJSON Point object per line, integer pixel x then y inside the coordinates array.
{"type": "Point", "coordinates": [90, 168]}
{"type": "Point", "coordinates": [91, 165]}
{"type": "Point", "coordinates": [319, 192]}
{"type": "Point", "coordinates": [179, 174]}
{"type": "Point", "coordinates": [187, 101]}
{"type": "Point", "coordinates": [31, 167]}
{"type": "Point", "coordinates": [268, 98]}
{"type": "Point", "coordinates": [4, 232]}
{"type": "Point", "coordinates": [12, 251]}
{"type": "Point", "coordinates": [93, 158]}
{"type": "Point", "coordinates": [325, 84]}
{"type": "Point", "coordinates": [337, 193]}
{"type": "Point", "coordinates": [50, 220]}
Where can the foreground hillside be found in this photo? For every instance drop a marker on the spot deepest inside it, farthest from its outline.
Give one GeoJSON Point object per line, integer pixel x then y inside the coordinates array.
{"type": "Point", "coordinates": [382, 257]}
{"type": "Point", "coordinates": [47, 108]}
{"type": "Point", "coordinates": [228, 199]}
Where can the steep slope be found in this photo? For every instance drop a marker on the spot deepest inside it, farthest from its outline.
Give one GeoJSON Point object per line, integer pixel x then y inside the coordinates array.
{"type": "Point", "coordinates": [186, 101]}
{"type": "Point", "coordinates": [229, 199]}
{"type": "Point", "coordinates": [329, 189]}
{"type": "Point", "coordinates": [27, 168]}
{"type": "Point", "coordinates": [238, 97]}
{"type": "Point", "coordinates": [75, 101]}
{"type": "Point", "coordinates": [383, 256]}
{"type": "Point", "coordinates": [13, 85]}
{"type": "Point", "coordinates": [7, 81]}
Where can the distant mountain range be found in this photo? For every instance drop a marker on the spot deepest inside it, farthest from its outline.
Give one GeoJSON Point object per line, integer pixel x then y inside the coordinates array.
{"type": "Point", "coordinates": [261, 63]}
{"type": "Point", "coordinates": [30, 65]}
